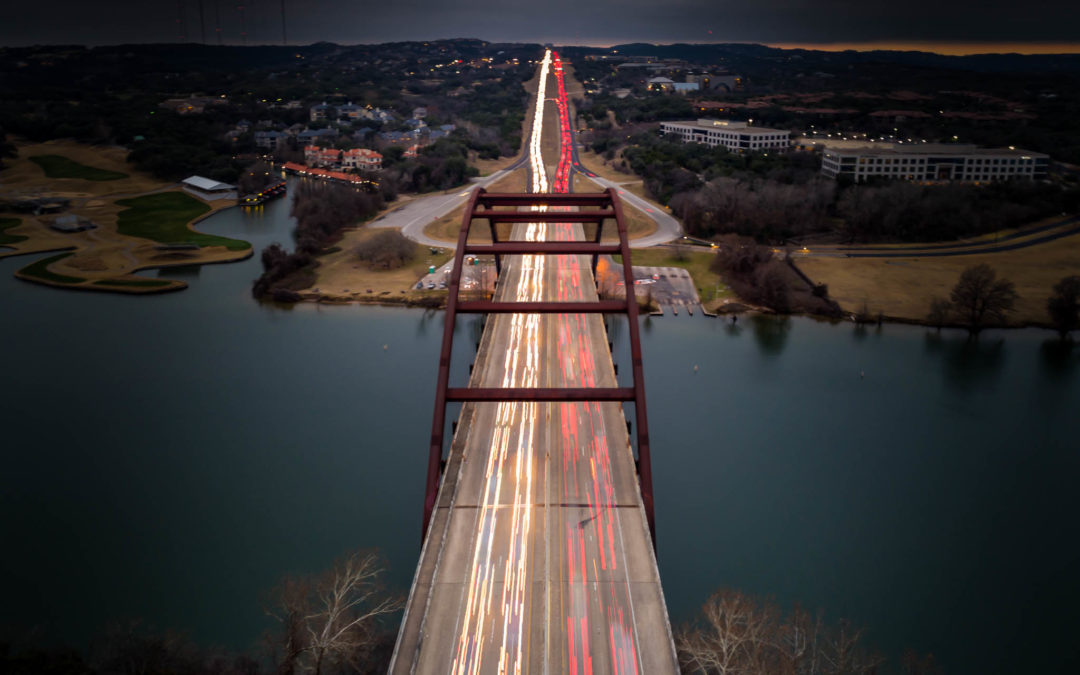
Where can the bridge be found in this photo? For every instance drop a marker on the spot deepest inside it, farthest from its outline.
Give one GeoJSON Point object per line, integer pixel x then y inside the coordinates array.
{"type": "Point", "coordinates": [538, 522]}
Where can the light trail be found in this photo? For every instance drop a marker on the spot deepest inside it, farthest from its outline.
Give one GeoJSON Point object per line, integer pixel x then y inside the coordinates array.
{"type": "Point", "coordinates": [493, 633]}
{"type": "Point", "coordinates": [511, 419]}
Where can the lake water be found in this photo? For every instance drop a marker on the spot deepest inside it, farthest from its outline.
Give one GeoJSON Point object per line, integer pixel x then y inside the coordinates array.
{"type": "Point", "coordinates": [171, 457]}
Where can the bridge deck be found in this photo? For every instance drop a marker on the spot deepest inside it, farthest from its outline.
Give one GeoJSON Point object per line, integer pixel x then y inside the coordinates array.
{"type": "Point", "coordinates": [538, 556]}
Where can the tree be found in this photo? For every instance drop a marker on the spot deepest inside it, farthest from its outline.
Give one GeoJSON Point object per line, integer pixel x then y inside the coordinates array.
{"type": "Point", "coordinates": [737, 633]}
{"type": "Point", "coordinates": [979, 296]}
{"type": "Point", "coordinates": [386, 249]}
{"type": "Point", "coordinates": [329, 622]}
{"type": "Point", "coordinates": [940, 309]}
{"type": "Point", "coordinates": [1064, 305]}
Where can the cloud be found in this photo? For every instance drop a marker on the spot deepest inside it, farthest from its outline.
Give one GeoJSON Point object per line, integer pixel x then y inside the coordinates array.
{"type": "Point", "coordinates": [566, 21]}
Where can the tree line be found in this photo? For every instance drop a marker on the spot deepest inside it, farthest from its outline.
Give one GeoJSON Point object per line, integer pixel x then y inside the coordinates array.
{"type": "Point", "coordinates": [321, 210]}
{"type": "Point", "coordinates": [334, 622]}
{"type": "Point", "coordinates": [980, 298]}
{"type": "Point", "coordinates": [781, 195]}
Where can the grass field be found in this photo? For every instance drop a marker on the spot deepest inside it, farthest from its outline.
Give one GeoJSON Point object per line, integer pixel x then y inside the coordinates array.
{"type": "Point", "coordinates": [903, 287]}
{"type": "Point", "coordinates": [710, 286]}
{"type": "Point", "coordinates": [340, 273]}
{"type": "Point", "coordinates": [58, 166]}
{"type": "Point", "coordinates": [38, 270]}
{"type": "Point", "coordinates": [164, 218]}
{"type": "Point", "coordinates": [7, 224]}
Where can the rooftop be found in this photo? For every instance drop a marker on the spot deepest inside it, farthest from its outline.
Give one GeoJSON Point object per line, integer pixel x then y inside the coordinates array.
{"type": "Point", "coordinates": [897, 149]}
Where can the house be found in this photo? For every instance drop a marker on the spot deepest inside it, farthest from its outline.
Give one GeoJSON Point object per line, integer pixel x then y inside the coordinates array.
{"type": "Point", "coordinates": [660, 84]}
{"type": "Point", "coordinates": [329, 158]}
{"type": "Point", "coordinates": [315, 135]}
{"type": "Point", "coordinates": [207, 189]}
{"type": "Point", "coordinates": [412, 152]}
{"type": "Point", "coordinates": [685, 87]}
{"type": "Point", "coordinates": [271, 140]}
{"type": "Point", "coordinates": [319, 112]}
{"type": "Point", "coordinates": [419, 113]}
{"type": "Point", "coordinates": [415, 123]}
{"type": "Point", "coordinates": [378, 115]}
{"type": "Point", "coordinates": [361, 159]}
{"type": "Point", "coordinates": [350, 111]}
{"type": "Point", "coordinates": [393, 136]}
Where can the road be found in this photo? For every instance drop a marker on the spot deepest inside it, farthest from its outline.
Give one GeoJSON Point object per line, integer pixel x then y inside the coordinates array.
{"type": "Point", "coordinates": [416, 214]}
{"type": "Point", "coordinates": [538, 557]}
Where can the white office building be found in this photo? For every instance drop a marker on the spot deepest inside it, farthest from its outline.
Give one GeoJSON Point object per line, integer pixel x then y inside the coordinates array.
{"type": "Point", "coordinates": [735, 136]}
{"type": "Point", "coordinates": [934, 162]}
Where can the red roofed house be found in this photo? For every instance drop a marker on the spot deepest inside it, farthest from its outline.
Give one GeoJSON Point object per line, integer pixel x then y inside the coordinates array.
{"type": "Point", "coordinates": [324, 157]}
{"type": "Point", "coordinates": [411, 153]}
{"type": "Point", "coordinates": [361, 159]}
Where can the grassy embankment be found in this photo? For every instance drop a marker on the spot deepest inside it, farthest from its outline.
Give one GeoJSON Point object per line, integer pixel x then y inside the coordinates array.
{"type": "Point", "coordinates": [902, 288]}
{"type": "Point", "coordinates": [39, 270]}
{"type": "Point", "coordinates": [8, 224]}
{"type": "Point", "coordinates": [164, 218]}
{"type": "Point", "coordinates": [340, 276]}
{"type": "Point", "coordinates": [58, 166]}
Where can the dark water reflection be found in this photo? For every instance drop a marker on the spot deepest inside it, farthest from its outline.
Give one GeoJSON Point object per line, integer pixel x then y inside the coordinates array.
{"type": "Point", "coordinates": [771, 333]}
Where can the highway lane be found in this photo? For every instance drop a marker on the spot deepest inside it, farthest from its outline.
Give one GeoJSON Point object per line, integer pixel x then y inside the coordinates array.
{"type": "Point", "coordinates": [538, 557]}
{"type": "Point", "coordinates": [668, 228]}
{"type": "Point", "coordinates": [415, 215]}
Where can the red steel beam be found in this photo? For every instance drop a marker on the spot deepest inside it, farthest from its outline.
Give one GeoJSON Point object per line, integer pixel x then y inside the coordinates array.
{"type": "Point", "coordinates": [438, 421]}
{"type": "Point", "coordinates": [644, 453]}
{"type": "Point", "coordinates": [538, 394]}
{"type": "Point", "coordinates": [544, 216]}
{"type": "Point", "coordinates": [550, 199]}
{"type": "Point", "coordinates": [537, 247]}
{"type": "Point", "coordinates": [492, 307]}
{"type": "Point", "coordinates": [444, 393]}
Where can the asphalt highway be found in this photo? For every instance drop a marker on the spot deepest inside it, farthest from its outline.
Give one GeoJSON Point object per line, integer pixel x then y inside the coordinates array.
{"type": "Point", "coordinates": [538, 556]}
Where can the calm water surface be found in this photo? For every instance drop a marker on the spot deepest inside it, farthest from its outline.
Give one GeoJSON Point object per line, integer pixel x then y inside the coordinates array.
{"type": "Point", "coordinates": [171, 457]}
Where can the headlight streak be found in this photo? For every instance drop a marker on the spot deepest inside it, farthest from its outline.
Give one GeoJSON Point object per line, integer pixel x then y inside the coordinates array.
{"type": "Point", "coordinates": [589, 546]}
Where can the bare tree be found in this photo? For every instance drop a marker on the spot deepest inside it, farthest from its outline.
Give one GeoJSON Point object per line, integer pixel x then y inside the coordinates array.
{"type": "Point", "coordinates": [979, 296]}
{"type": "Point", "coordinates": [331, 621]}
{"type": "Point", "coordinates": [734, 637]}
{"type": "Point", "coordinates": [1064, 305]}
{"type": "Point", "coordinates": [940, 309]}
{"type": "Point", "coordinates": [737, 633]}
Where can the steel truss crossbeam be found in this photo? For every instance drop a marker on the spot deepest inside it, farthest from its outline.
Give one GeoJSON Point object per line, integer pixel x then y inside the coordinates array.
{"type": "Point", "coordinates": [481, 204]}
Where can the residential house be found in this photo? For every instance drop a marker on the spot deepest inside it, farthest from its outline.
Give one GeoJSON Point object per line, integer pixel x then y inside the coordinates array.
{"type": "Point", "coordinates": [350, 111]}
{"type": "Point", "coordinates": [270, 140]}
{"type": "Point", "coordinates": [412, 152]}
{"type": "Point", "coordinates": [315, 135]}
{"type": "Point", "coordinates": [361, 159]}
{"type": "Point", "coordinates": [327, 158]}
{"type": "Point", "coordinates": [319, 112]}
{"type": "Point", "coordinates": [419, 113]}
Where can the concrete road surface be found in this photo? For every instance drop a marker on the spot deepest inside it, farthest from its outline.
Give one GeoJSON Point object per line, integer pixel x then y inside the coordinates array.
{"type": "Point", "coordinates": [416, 214]}
{"type": "Point", "coordinates": [539, 557]}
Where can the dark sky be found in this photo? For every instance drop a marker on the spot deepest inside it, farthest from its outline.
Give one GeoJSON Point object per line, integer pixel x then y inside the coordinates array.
{"type": "Point", "coordinates": [24, 22]}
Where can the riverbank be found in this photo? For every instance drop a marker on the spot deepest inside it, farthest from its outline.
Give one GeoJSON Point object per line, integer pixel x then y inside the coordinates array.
{"type": "Point", "coordinates": [126, 222]}
{"type": "Point", "coordinates": [902, 288]}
